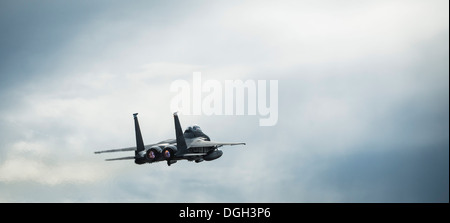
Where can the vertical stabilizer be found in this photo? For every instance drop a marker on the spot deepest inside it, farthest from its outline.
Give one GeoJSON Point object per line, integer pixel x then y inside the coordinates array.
{"type": "Point", "coordinates": [139, 141]}
{"type": "Point", "coordinates": [181, 142]}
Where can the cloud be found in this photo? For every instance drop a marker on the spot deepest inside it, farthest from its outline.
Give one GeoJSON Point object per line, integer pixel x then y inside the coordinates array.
{"type": "Point", "coordinates": [363, 101]}
{"type": "Point", "coordinates": [32, 170]}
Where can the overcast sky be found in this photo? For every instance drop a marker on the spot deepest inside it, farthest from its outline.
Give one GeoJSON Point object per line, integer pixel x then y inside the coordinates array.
{"type": "Point", "coordinates": [363, 99]}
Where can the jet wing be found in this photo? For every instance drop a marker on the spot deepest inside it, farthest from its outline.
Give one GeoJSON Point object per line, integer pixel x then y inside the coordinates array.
{"type": "Point", "coordinates": [127, 148]}
{"type": "Point", "coordinates": [117, 150]}
{"type": "Point", "coordinates": [201, 143]}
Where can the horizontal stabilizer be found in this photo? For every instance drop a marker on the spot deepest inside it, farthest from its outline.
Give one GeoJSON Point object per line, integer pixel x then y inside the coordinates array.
{"type": "Point", "coordinates": [201, 143]}
{"type": "Point", "coordinates": [121, 158]}
{"type": "Point", "coordinates": [194, 154]}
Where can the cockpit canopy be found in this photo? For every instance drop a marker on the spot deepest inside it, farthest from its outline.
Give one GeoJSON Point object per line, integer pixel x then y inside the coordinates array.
{"type": "Point", "coordinates": [194, 128]}
{"type": "Point", "coordinates": [195, 131]}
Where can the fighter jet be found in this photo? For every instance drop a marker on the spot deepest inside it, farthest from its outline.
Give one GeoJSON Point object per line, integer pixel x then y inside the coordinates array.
{"type": "Point", "coordinates": [192, 145]}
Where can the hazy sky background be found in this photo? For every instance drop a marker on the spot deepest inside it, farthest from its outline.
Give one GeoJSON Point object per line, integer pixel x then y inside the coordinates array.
{"type": "Point", "coordinates": [363, 99]}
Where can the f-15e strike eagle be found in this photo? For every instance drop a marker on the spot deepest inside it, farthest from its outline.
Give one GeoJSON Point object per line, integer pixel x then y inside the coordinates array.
{"type": "Point", "coordinates": [192, 145]}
